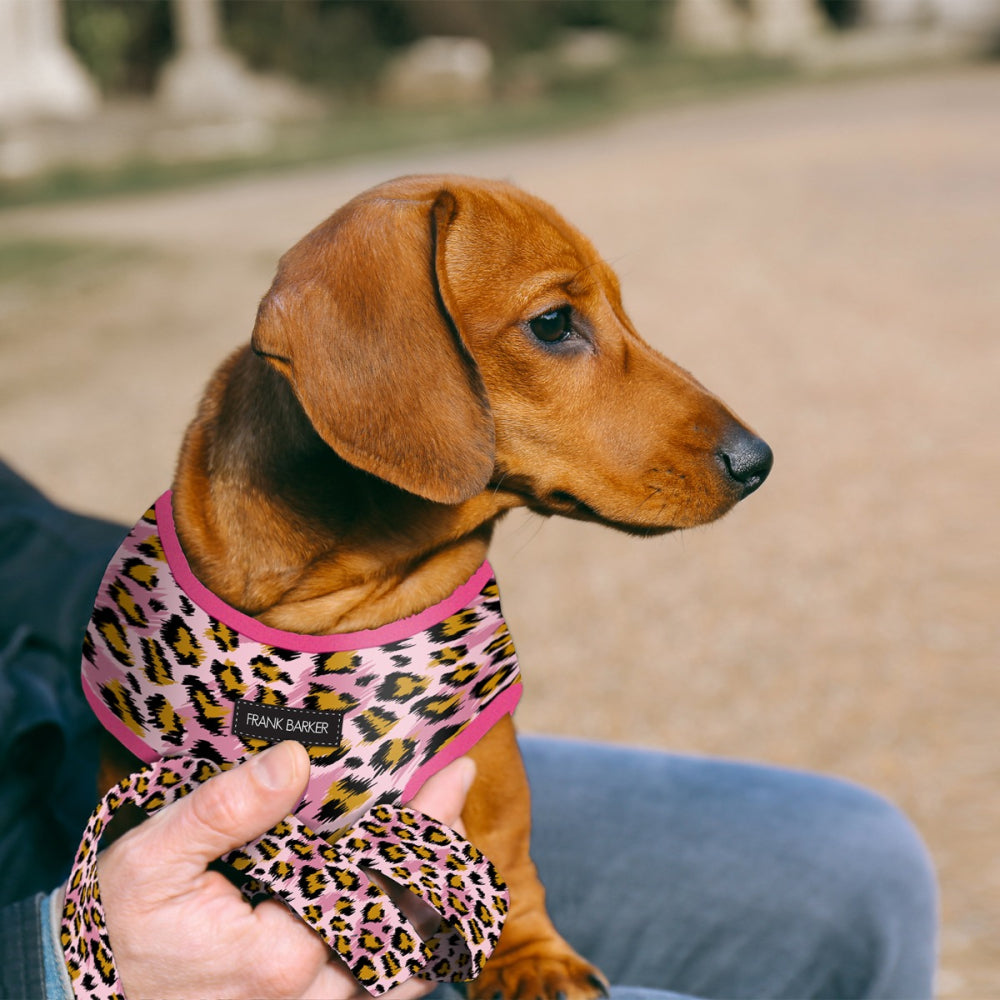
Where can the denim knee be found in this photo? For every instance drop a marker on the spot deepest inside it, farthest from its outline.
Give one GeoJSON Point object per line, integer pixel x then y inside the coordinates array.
{"type": "Point", "coordinates": [881, 901]}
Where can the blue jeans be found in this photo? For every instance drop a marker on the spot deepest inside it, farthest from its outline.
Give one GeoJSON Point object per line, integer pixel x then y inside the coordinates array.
{"type": "Point", "coordinates": [703, 877]}
{"type": "Point", "coordinates": [713, 878]}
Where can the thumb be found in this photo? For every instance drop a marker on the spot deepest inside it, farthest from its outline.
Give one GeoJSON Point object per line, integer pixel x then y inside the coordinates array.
{"type": "Point", "coordinates": [442, 796]}
{"type": "Point", "coordinates": [230, 809]}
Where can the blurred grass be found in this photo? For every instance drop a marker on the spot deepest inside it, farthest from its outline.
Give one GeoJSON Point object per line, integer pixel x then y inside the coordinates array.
{"type": "Point", "coordinates": [24, 259]}
{"type": "Point", "coordinates": [568, 100]}
{"type": "Point", "coordinates": [33, 262]}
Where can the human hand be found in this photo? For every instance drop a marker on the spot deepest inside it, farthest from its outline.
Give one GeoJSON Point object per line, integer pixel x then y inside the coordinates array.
{"type": "Point", "coordinates": [180, 930]}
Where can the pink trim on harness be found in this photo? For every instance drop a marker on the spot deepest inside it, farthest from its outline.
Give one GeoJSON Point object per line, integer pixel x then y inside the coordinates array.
{"type": "Point", "coordinates": [250, 627]}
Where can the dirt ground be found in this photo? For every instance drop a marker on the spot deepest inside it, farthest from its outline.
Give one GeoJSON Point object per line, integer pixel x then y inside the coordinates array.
{"type": "Point", "coordinates": [823, 257]}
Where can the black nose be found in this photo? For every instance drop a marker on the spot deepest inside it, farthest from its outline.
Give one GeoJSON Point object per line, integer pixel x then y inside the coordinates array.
{"type": "Point", "coordinates": [746, 458]}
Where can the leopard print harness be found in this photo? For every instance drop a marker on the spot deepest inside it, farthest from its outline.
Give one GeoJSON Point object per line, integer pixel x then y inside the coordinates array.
{"type": "Point", "coordinates": [192, 686]}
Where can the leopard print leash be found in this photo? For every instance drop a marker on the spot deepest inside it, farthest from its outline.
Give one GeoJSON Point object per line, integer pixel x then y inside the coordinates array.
{"type": "Point", "coordinates": [329, 886]}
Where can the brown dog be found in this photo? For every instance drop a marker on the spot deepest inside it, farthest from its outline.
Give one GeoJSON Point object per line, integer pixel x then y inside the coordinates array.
{"type": "Point", "coordinates": [437, 352]}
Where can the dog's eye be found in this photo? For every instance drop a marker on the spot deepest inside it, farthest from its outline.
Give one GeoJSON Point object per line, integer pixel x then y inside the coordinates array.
{"type": "Point", "coordinates": [552, 326]}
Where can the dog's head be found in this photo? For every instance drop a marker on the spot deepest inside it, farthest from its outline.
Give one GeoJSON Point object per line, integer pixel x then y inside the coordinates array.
{"type": "Point", "coordinates": [454, 336]}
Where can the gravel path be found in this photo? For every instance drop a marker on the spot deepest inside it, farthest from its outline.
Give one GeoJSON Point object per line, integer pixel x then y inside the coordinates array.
{"type": "Point", "coordinates": [825, 259]}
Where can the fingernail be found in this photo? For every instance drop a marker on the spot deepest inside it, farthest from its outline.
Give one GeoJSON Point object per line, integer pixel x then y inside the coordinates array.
{"type": "Point", "coordinates": [275, 767]}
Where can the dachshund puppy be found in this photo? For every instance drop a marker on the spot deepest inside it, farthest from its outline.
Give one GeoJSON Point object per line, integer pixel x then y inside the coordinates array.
{"type": "Point", "coordinates": [440, 350]}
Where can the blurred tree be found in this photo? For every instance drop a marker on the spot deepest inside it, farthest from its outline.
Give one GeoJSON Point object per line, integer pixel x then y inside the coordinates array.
{"type": "Point", "coordinates": [338, 44]}
{"type": "Point", "coordinates": [328, 43]}
{"type": "Point", "coordinates": [121, 42]}
{"type": "Point", "coordinates": [514, 26]}
{"type": "Point", "coordinates": [843, 14]}
{"type": "Point", "coordinates": [344, 43]}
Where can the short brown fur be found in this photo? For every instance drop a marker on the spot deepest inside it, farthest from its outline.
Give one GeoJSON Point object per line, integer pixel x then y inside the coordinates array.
{"type": "Point", "coordinates": [347, 468]}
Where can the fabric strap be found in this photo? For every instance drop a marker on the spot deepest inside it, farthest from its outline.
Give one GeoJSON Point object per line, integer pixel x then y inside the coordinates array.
{"type": "Point", "coordinates": [329, 886]}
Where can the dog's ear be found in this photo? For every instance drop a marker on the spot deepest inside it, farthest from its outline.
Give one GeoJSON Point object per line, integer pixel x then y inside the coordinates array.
{"type": "Point", "coordinates": [356, 322]}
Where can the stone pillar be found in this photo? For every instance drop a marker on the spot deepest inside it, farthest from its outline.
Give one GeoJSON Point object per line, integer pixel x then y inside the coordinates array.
{"type": "Point", "coordinates": [785, 27]}
{"type": "Point", "coordinates": [40, 77]}
{"type": "Point", "coordinates": [966, 16]}
{"type": "Point", "coordinates": [767, 27]}
{"type": "Point", "coordinates": [198, 24]}
{"type": "Point", "coordinates": [708, 26]}
{"type": "Point", "coordinates": [204, 80]}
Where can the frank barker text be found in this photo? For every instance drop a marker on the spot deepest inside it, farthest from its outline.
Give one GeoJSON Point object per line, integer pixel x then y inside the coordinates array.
{"type": "Point", "coordinates": [288, 725]}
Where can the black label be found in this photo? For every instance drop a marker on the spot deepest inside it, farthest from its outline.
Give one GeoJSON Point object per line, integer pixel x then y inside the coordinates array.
{"type": "Point", "coordinates": [277, 722]}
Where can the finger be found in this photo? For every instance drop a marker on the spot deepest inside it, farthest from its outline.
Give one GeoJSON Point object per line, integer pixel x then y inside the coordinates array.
{"type": "Point", "coordinates": [442, 795]}
{"type": "Point", "coordinates": [231, 809]}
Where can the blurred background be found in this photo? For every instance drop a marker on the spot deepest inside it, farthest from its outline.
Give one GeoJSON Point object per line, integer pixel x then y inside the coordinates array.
{"type": "Point", "coordinates": [802, 200]}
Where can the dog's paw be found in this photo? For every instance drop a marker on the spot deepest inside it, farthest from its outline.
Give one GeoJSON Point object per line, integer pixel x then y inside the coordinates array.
{"type": "Point", "coordinates": [541, 975]}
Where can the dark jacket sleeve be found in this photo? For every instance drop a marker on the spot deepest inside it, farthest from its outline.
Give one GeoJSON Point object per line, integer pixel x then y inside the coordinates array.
{"type": "Point", "coordinates": [51, 562]}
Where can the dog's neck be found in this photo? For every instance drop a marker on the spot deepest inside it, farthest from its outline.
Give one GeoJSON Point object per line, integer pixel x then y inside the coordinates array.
{"type": "Point", "coordinates": [280, 527]}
